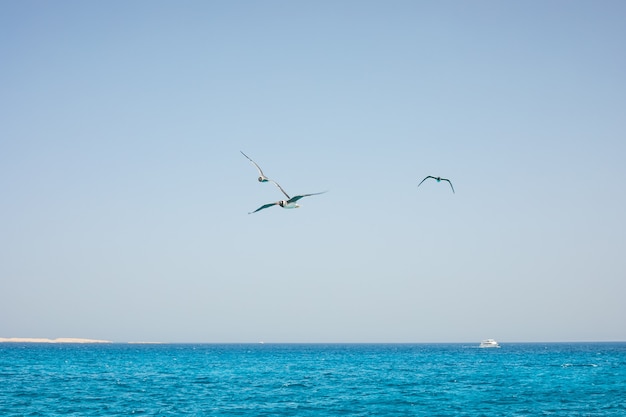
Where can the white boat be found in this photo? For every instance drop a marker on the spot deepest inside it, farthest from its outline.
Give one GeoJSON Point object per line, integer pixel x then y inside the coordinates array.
{"type": "Point", "coordinates": [489, 343]}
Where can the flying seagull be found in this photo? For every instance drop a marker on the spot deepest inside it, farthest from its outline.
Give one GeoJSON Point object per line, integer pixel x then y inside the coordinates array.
{"type": "Point", "coordinates": [438, 179]}
{"type": "Point", "coordinates": [262, 177]}
{"type": "Point", "coordinates": [288, 204]}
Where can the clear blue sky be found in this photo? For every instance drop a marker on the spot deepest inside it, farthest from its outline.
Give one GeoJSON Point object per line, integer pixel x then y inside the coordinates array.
{"type": "Point", "coordinates": [124, 199]}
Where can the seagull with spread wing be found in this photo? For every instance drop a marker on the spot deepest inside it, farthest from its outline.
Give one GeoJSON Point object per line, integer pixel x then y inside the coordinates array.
{"type": "Point", "coordinates": [438, 179]}
{"type": "Point", "coordinates": [288, 204]}
{"type": "Point", "coordinates": [262, 177]}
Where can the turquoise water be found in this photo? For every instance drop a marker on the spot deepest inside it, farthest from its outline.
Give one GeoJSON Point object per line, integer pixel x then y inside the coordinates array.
{"type": "Point", "coordinates": [580, 379]}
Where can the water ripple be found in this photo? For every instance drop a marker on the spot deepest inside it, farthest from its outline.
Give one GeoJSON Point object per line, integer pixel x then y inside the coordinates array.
{"type": "Point", "coordinates": [311, 380]}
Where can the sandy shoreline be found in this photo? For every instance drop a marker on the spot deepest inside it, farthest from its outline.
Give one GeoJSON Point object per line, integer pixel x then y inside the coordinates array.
{"type": "Point", "coordinates": [43, 340]}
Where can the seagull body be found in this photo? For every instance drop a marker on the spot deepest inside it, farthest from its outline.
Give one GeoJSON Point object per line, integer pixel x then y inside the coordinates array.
{"type": "Point", "coordinates": [438, 179]}
{"type": "Point", "coordinates": [262, 177]}
{"type": "Point", "coordinates": [288, 204]}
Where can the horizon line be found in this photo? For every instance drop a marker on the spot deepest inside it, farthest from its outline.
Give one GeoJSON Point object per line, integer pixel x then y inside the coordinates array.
{"type": "Point", "coordinates": [70, 340]}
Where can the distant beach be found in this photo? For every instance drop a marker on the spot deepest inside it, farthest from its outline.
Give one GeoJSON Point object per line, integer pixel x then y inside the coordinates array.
{"type": "Point", "coordinates": [44, 340]}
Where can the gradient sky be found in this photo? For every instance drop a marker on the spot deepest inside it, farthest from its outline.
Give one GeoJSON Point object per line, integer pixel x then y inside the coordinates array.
{"type": "Point", "coordinates": [124, 199]}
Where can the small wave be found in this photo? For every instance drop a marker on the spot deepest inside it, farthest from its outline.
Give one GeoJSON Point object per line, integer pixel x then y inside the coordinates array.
{"type": "Point", "coordinates": [591, 365]}
{"type": "Point", "coordinates": [295, 385]}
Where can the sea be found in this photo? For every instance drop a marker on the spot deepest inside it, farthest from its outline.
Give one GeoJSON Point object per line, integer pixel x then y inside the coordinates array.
{"type": "Point", "coordinates": [518, 379]}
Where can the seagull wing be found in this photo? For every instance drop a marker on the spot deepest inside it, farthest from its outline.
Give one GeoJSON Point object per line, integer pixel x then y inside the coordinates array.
{"type": "Point", "coordinates": [445, 179]}
{"type": "Point", "coordinates": [281, 189]}
{"type": "Point", "coordinates": [255, 164]}
{"type": "Point", "coordinates": [298, 197]}
{"type": "Point", "coordinates": [430, 176]}
{"type": "Point", "coordinates": [264, 206]}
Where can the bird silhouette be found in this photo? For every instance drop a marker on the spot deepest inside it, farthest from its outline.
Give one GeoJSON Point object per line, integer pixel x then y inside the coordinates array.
{"type": "Point", "coordinates": [438, 179]}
